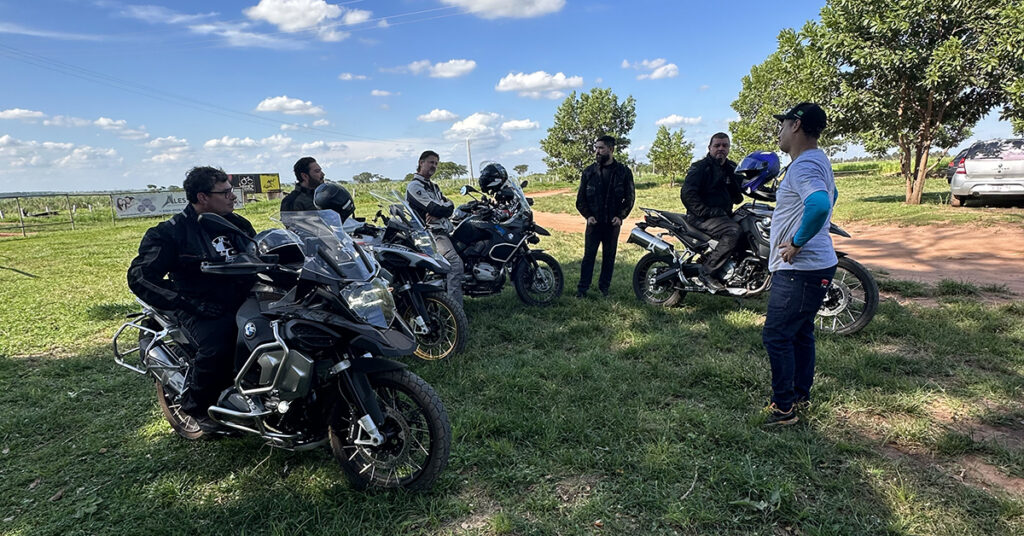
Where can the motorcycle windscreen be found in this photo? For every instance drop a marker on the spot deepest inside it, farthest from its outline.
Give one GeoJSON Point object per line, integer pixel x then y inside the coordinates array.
{"type": "Point", "coordinates": [517, 190]}
{"type": "Point", "coordinates": [330, 252]}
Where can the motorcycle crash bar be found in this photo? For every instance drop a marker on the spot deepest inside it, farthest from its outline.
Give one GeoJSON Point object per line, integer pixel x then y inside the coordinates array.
{"type": "Point", "coordinates": [648, 241]}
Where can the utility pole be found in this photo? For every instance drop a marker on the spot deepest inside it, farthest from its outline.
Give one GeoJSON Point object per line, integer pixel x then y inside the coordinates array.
{"type": "Point", "coordinates": [469, 158]}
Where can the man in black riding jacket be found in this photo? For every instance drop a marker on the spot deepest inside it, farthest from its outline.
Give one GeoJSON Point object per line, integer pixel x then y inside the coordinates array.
{"type": "Point", "coordinates": [425, 197]}
{"type": "Point", "coordinates": [166, 275]}
{"type": "Point", "coordinates": [605, 198]}
{"type": "Point", "coordinates": [309, 175]}
{"type": "Point", "coordinates": [709, 192]}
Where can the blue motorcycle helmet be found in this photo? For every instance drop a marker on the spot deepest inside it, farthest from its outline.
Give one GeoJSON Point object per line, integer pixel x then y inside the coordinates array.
{"type": "Point", "coordinates": [760, 168]}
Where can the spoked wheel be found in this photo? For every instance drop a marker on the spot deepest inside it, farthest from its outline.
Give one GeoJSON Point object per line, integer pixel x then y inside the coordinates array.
{"type": "Point", "coordinates": [650, 291]}
{"type": "Point", "coordinates": [446, 327]}
{"type": "Point", "coordinates": [541, 284]}
{"type": "Point", "coordinates": [181, 422]}
{"type": "Point", "coordinates": [416, 428]}
{"type": "Point", "coordinates": [851, 300]}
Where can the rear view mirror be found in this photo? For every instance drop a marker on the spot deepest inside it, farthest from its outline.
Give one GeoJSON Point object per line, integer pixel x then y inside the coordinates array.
{"type": "Point", "coordinates": [524, 183]}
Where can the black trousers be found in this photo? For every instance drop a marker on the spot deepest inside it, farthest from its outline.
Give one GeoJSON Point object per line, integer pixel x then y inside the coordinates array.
{"type": "Point", "coordinates": [605, 235]}
{"type": "Point", "coordinates": [214, 367]}
{"type": "Point", "coordinates": [726, 231]}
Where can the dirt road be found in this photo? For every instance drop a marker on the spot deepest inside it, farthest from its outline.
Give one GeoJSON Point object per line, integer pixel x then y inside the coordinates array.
{"type": "Point", "coordinates": [981, 255]}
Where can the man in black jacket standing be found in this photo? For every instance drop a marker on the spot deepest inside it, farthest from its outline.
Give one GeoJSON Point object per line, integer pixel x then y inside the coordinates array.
{"type": "Point", "coordinates": [204, 303]}
{"type": "Point", "coordinates": [709, 192]}
{"type": "Point", "coordinates": [605, 198]}
{"type": "Point", "coordinates": [309, 175]}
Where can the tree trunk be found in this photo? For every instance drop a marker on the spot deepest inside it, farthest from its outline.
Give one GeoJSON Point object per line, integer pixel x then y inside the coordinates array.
{"type": "Point", "coordinates": [905, 172]}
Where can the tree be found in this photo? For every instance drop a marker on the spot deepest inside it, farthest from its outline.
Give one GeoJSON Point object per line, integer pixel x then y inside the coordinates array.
{"type": "Point", "coordinates": [915, 74]}
{"type": "Point", "coordinates": [795, 73]}
{"type": "Point", "coordinates": [581, 120]}
{"type": "Point", "coordinates": [521, 169]}
{"type": "Point", "coordinates": [670, 153]}
{"type": "Point", "coordinates": [449, 170]}
{"type": "Point", "coordinates": [152, 187]}
{"type": "Point", "coordinates": [367, 177]}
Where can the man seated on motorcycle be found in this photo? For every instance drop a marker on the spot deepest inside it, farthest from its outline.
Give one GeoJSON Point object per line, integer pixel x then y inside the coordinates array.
{"type": "Point", "coordinates": [205, 304]}
{"type": "Point", "coordinates": [708, 193]}
{"type": "Point", "coordinates": [425, 197]}
{"type": "Point", "coordinates": [308, 175]}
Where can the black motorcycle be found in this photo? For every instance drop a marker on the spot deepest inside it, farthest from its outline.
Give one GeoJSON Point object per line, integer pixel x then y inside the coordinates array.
{"type": "Point", "coordinates": [311, 336]}
{"type": "Point", "coordinates": [407, 251]}
{"type": "Point", "coordinates": [665, 275]}
{"type": "Point", "coordinates": [492, 237]}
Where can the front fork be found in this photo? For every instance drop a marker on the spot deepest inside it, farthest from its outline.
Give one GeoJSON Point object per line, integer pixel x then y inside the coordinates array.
{"type": "Point", "coordinates": [357, 386]}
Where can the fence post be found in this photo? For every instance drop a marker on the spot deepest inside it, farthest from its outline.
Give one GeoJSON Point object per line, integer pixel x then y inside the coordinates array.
{"type": "Point", "coordinates": [21, 217]}
{"type": "Point", "coordinates": [70, 210]}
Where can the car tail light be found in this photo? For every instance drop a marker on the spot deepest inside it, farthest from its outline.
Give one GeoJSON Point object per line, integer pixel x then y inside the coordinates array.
{"type": "Point", "coordinates": [961, 168]}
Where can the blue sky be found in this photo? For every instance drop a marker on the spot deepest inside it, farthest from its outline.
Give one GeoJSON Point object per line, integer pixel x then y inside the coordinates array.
{"type": "Point", "coordinates": [101, 94]}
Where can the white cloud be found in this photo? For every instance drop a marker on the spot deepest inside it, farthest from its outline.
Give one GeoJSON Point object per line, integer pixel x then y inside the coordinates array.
{"type": "Point", "coordinates": [238, 35]}
{"type": "Point", "coordinates": [167, 142]}
{"type": "Point", "coordinates": [519, 124]}
{"type": "Point", "coordinates": [658, 68]}
{"type": "Point", "coordinates": [539, 84]}
{"type": "Point", "coordinates": [356, 16]}
{"type": "Point", "coordinates": [290, 126]}
{"type": "Point", "coordinates": [438, 115]}
{"type": "Point", "coordinates": [229, 142]}
{"type": "Point", "coordinates": [448, 69]}
{"type": "Point", "coordinates": [315, 146]}
{"type": "Point", "coordinates": [321, 123]}
{"type": "Point", "coordinates": [704, 87]}
{"type": "Point", "coordinates": [350, 76]}
{"type": "Point", "coordinates": [381, 93]}
{"type": "Point", "coordinates": [315, 16]}
{"type": "Point", "coordinates": [17, 29]}
{"type": "Point", "coordinates": [120, 127]}
{"type": "Point", "coordinates": [289, 106]}
{"type": "Point", "coordinates": [676, 120]}
{"type": "Point", "coordinates": [478, 125]}
{"type": "Point", "coordinates": [383, 23]}
{"type": "Point", "coordinates": [86, 156]}
{"type": "Point", "coordinates": [66, 121]}
{"type": "Point", "coordinates": [452, 68]}
{"type": "Point", "coordinates": [493, 9]}
{"type": "Point", "coordinates": [162, 15]}
{"type": "Point", "coordinates": [20, 113]}
{"type": "Point", "coordinates": [665, 71]}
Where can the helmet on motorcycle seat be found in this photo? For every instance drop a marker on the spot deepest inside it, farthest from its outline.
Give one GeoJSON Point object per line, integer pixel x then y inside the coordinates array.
{"type": "Point", "coordinates": [759, 168]}
{"type": "Point", "coordinates": [330, 196]}
{"type": "Point", "coordinates": [492, 177]}
{"type": "Point", "coordinates": [283, 243]}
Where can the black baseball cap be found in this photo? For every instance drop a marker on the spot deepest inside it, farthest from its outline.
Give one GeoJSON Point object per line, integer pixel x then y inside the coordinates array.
{"type": "Point", "coordinates": [811, 116]}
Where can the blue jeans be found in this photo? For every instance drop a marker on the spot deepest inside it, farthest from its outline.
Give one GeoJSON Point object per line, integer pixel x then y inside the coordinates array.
{"type": "Point", "coordinates": [788, 333]}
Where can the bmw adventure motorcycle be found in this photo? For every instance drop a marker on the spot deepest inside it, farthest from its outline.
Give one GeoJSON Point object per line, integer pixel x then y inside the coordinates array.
{"type": "Point", "coordinates": [313, 337]}
{"type": "Point", "coordinates": [664, 275]}
{"type": "Point", "coordinates": [492, 237]}
{"type": "Point", "coordinates": [407, 251]}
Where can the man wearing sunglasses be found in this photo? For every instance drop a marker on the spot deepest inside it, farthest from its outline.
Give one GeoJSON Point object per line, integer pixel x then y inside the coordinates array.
{"type": "Point", "coordinates": [166, 275]}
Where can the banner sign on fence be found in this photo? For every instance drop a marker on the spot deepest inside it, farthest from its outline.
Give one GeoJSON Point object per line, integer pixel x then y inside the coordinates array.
{"type": "Point", "coordinates": [141, 204]}
{"type": "Point", "coordinates": [256, 182]}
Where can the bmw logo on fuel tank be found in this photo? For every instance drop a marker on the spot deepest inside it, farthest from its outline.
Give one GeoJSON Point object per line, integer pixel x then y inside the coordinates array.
{"type": "Point", "coordinates": [249, 330]}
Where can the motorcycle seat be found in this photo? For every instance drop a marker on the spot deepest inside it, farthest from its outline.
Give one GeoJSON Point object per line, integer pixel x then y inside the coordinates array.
{"type": "Point", "coordinates": [683, 221]}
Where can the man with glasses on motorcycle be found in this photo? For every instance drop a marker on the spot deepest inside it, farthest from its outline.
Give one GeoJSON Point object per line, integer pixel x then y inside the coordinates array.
{"type": "Point", "coordinates": [802, 260]}
{"type": "Point", "coordinates": [708, 193]}
{"type": "Point", "coordinates": [309, 175]}
{"type": "Point", "coordinates": [166, 275]}
{"type": "Point", "coordinates": [605, 198]}
{"type": "Point", "coordinates": [425, 197]}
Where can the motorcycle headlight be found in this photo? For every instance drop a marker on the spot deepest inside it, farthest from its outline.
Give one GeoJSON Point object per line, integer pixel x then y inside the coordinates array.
{"type": "Point", "coordinates": [425, 243]}
{"type": "Point", "coordinates": [371, 302]}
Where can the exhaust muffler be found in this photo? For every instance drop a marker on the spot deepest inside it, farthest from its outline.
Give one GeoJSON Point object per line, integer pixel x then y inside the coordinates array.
{"type": "Point", "coordinates": [648, 241]}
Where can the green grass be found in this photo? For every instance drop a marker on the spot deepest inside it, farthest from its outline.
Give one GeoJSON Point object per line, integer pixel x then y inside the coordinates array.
{"type": "Point", "coordinates": [863, 198]}
{"type": "Point", "coordinates": [597, 410]}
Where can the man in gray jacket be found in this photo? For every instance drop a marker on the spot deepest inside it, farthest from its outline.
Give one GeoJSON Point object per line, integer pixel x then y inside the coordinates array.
{"type": "Point", "coordinates": [426, 199]}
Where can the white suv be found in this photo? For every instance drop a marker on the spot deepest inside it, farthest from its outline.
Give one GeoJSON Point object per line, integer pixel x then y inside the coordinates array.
{"type": "Point", "coordinates": [990, 168]}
